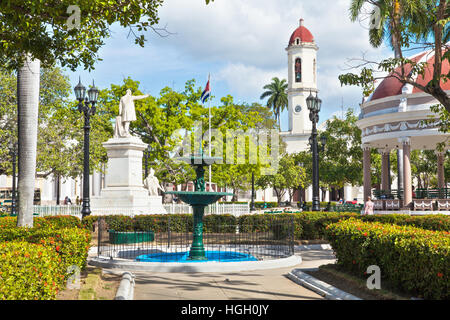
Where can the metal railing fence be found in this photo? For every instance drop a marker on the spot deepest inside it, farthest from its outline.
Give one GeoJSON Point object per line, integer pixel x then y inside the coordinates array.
{"type": "Point", "coordinates": [273, 241]}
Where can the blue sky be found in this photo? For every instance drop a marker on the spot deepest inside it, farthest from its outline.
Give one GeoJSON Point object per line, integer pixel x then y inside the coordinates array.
{"type": "Point", "coordinates": [242, 44]}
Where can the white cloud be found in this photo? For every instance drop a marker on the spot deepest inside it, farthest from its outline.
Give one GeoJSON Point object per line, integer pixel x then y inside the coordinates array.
{"type": "Point", "coordinates": [249, 39]}
{"type": "Point", "coordinates": [245, 80]}
{"type": "Point", "coordinates": [242, 44]}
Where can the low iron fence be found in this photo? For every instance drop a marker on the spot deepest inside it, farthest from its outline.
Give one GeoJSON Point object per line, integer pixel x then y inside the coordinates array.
{"type": "Point", "coordinates": [235, 209]}
{"type": "Point", "coordinates": [273, 241]}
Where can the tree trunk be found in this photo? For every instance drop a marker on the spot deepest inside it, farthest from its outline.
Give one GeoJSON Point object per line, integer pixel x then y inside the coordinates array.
{"type": "Point", "coordinates": [235, 196]}
{"type": "Point", "coordinates": [279, 196]}
{"type": "Point", "coordinates": [28, 106]}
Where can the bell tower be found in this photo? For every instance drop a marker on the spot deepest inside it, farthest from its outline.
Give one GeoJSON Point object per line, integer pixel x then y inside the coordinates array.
{"type": "Point", "coordinates": [302, 78]}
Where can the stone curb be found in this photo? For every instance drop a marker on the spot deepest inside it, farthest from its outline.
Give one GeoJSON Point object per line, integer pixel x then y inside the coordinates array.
{"type": "Point", "coordinates": [126, 287]}
{"type": "Point", "coordinates": [320, 287]}
{"type": "Point", "coordinates": [195, 267]}
{"type": "Point", "coordinates": [313, 247]}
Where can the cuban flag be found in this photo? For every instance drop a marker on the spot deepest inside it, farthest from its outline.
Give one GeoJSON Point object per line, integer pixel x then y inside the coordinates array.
{"type": "Point", "coordinates": [206, 93]}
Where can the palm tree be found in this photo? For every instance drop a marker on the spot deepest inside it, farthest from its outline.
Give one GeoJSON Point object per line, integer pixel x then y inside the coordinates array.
{"type": "Point", "coordinates": [390, 13]}
{"type": "Point", "coordinates": [27, 102]}
{"type": "Point", "coordinates": [277, 93]}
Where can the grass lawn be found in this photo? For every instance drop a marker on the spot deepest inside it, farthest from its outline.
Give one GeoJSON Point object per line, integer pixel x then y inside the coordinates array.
{"type": "Point", "coordinates": [94, 286]}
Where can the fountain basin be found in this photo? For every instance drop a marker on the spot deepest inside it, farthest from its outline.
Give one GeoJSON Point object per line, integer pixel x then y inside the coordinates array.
{"type": "Point", "coordinates": [183, 257]}
{"type": "Point", "coordinates": [199, 198]}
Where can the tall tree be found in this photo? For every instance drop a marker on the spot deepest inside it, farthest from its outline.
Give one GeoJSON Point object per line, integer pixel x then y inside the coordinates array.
{"type": "Point", "coordinates": [342, 158]}
{"type": "Point", "coordinates": [235, 122]}
{"type": "Point", "coordinates": [287, 179]}
{"type": "Point", "coordinates": [60, 127]}
{"type": "Point", "coordinates": [27, 102]}
{"type": "Point", "coordinates": [420, 24]}
{"type": "Point", "coordinates": [276, 91]}
{"type": "Point", "coordinates": [35, 32]}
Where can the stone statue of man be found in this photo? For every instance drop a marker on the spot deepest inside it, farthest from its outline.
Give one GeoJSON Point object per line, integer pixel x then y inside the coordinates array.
{"type": "Point", "coordinates": [127, 113]}
{"type": "Point", "coordinates": [152, 184]}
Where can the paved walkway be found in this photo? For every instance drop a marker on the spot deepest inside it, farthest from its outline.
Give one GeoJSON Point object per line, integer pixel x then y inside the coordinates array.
{"type": "Point", "coordinates": [261, 284]}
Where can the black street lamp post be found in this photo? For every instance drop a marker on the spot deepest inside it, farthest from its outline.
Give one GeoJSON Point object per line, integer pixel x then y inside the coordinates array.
{"type": "Point", "coordinates": [300, 189]}
{"type": "Point", "coordinates": [252, 203]}
{"type": "Point", "coordinates": [13, 153]}
{"type": "Point", "coordinates": [87, 106]}
{"type": "Point", "coordinates": [314, 104]}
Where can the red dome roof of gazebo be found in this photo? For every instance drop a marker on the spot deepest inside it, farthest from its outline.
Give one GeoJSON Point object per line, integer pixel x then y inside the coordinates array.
{"type": "Point", "coordinates": [303, 33]}
{"type": "Point", "coordinates": [390, 86]}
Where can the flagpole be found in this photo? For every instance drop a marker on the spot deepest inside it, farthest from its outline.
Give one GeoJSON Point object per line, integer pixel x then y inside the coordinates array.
{"type": "Point", "coordinates": [209, 78]}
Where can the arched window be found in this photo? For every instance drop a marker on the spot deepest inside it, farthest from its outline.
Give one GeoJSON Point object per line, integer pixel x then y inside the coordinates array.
{"type": "Point", "coordinates": [297, 41]}
{"type": "Point", "coordinates": [298, 70]}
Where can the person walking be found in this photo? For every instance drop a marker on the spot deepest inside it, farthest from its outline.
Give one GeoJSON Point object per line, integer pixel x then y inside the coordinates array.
{"type": "Point", "coordinates": [368, 207]}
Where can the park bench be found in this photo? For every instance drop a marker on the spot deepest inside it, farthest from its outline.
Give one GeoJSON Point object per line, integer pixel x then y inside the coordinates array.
{"type": "Point", "coordinates": [378, 204]}
{"type": "Point", "coordinates": [443, 204]}
{"type": "Point", "coordinates": [393, 204]}
{"type": "Point", "coordinates": [423, 204]}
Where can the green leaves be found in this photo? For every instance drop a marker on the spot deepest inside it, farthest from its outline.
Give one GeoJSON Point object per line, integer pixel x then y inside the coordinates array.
{"type": "Point", "coordinates": [289, 176]}
{"type": "Point", "coordinates": [406, 25]}
{"type": "Point", "coordinates": [276, 91]}
{"type": "Point", "coordinates": [41, 29]}
{"type": "Point", "coordinates": [35, 261]}
{"type": "Point", "coordinates": [341, 162]}
{"type": "Point", "coordinates": [410, 258]}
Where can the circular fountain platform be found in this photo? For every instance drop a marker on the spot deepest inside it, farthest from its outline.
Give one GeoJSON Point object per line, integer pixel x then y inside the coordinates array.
{"type": "Point", "coordinates": [193, 266]}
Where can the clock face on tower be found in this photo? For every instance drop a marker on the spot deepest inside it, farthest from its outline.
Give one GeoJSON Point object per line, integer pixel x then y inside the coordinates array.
{"type": "Point", "coordinates": [298, 108]}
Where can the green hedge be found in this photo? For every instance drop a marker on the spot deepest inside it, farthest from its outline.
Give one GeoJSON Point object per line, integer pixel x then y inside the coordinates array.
{"type": "Point", "coordinates": [412, 259]}
{"type": "Point", "coordinates": [72, 244]}
{"type": "Point", "coordinates": [62, 221]}
{"type": "Point", "coordinates": [307, 225]}
{"type": "Point", "coordinates": [269, 222]}
{"type": "Point", "coordinates": [29, 271]}
{"type": "Point", "coordinates": [160, 222]}
{"type": "Point", "coordinates": [35, 261]}
{"type": "Point", "coordinates": [436, 222]}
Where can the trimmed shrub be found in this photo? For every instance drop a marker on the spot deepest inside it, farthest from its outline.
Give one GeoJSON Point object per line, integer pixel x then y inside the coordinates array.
{"type": "Point", "coordinates": [62, 221]}
{"type": "Point", "coordinates": [49, 221]}
{"type": "Point", "coordinates": [162, 222]}
{"type": "Point", "coordinates": [219, 223]}
{"type": "Point", "coordinates": [120, 223]}
{"type": "Point", "coordinates": [307, 225]}
{"type": "Point", "coordinates": [277, 223]}
{"type": "Point", "coordinates": [411, 259]}
{"type": "Point", "coordinates": [88, 222]}
{"type": "Point", "coordinates": [436, 222]}
{"type": "Point", "coordinates": [314, 223]}
{"type": "Point", "coordinates": [71, 244]}
{"type": "Point", "coordinates": [29, 271]}
{"type": "Point", "coordinates": [35, 261]}
{"type": "Point", "coordinates": [8, 222]}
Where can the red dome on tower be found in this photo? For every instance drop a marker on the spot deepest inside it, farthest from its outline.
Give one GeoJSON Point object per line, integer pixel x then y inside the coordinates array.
{"type": "Point", "coordinates": [301, 33]}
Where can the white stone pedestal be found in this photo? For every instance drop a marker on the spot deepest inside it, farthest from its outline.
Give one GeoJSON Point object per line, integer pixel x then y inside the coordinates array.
{"type": "Point", "coordinates": [124, 192]}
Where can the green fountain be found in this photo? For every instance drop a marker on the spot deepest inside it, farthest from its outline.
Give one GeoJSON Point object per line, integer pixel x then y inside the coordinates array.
{"type": "Point", "coordinates": [199, 199]}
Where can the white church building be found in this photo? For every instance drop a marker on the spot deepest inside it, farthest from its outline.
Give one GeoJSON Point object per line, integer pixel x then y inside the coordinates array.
{"type": "Point", "coordinates": [302, 80]}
